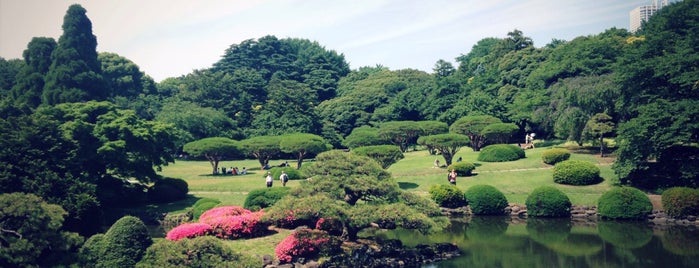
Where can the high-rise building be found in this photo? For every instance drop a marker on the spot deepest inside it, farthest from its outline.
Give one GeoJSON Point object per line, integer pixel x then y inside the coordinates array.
{"type": "Point", "coordinates": [642, 13]}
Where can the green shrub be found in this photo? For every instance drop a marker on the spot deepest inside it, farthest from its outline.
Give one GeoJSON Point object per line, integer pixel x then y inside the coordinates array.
{"type": "Point", "coordinates": [117, 192]}
{"type": "Point", "coordinates": [679, 202]}
{"type": "Point", "coordinates": [264, 197]}
{"type": "Point", "coordinates": [462, 168]}
{"type": "Point", "coordinates": [385, 155]}
{"type": "Point", "coordinates": [555, 155]}
{"type": "Point", "coordinates": [124, 243]}
{"type": "Point", "coordinates": [486, 200]}
{"type": "Point", "coordinates": [204, 251]}
{"type": "Point", "coordinates": [548, 201]}
{"type": "Point", "coordinates": [500, 153]}
{"type": "Point", "coordinates": [448, 196]}
{"type": "Point", "coordinates": [168, 190]}
{"type": "Point", "coordinates": [624, 203]}
{"type": "Point", "coordinates": [292, 172]}
{"type": "Point", "coordinates": [576, 172]}
{"type": "Point", "coordinates": [91, 250]}
{"type": "Point", "coordinates": [202, 205]}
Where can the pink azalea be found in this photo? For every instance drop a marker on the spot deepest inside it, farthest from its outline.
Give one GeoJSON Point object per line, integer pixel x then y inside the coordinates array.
{"type": "Point", "coordinates": [188, 230]}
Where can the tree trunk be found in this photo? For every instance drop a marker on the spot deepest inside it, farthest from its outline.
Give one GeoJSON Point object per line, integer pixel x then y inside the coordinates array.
{"type": "Point", "coordinates": [601, 146]}
{"type": "Point", "coordinates": [299, 160]}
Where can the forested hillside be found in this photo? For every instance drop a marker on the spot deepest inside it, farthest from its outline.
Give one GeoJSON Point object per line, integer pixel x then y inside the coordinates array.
{"type": "Point", "coordinates": [72, 117]}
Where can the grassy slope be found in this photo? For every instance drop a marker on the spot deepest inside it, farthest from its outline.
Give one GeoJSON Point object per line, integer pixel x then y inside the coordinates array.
{"type": "Point", "coordinates": [414, 173]}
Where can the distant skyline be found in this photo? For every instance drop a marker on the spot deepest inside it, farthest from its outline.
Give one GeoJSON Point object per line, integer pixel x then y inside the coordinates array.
{"type": "Point", "coordinates": [173, 38]}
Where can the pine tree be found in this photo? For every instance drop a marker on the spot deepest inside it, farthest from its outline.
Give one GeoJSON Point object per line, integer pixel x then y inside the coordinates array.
{"type": "Point", "coordinates": [75, 74]}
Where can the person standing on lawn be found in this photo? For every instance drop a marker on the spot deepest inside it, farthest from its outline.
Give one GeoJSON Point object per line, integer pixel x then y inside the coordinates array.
{"type": "Point", "coordinates": [269, 179]}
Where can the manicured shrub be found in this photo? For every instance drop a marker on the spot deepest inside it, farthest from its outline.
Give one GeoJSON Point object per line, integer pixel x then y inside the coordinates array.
{"type": "Point", "coordinates": [555, 155]}
{"type": "Point", "coordinates": [679, 202]}
{"type": "Point", "coordinates": [168, 190]}
{"type": "Point", "coordinates": [448, 196]}
{"type": "Point", "coordinates": [202, 205]}
{"type": "Point", "coordinates": [91, 250]}
{"type": "Point", "coordinates": [306, 243]}
{"type": "Point", "coordinates": [624, 203]}
{"type": "Point", "coordinates": [385, 155]}
{"type": "Point", "coordinates": [462, 168]}
{"type": "Point", "coordinates": [486, 200]}
{"type": "Point", "coordinates": [548, 201]}
{"type": "Point", "coordinates": [292, 172]}
{"type": "Point", "coordinates": [576, 172]}
{"type": "Point", "coordinates": [124, 243]}
{"type": "Point", "coordinates": [205, 251]}
{"type": "Point", "coordinates": [188, 230]}
{"type": "Point", "coordinates": [264, 197]}
{"type": "Point", "coordinates": [500, 153]}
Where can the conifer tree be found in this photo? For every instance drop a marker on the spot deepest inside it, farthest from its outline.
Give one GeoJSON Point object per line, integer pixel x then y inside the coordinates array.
{"type": "Point", "coordinates": [75, 74]}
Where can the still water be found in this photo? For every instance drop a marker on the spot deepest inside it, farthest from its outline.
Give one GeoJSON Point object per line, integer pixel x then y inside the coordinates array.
{"type": "Point", "coordinates": [499, 242]}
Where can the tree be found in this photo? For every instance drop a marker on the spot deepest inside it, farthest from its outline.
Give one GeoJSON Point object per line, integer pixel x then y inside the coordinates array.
{"type": "Point", "coordinates": [599, 126]}
{"type": "Point", "coordinates": [499, 132]}
{"type": "Point", "coordinates": [75, 73]}
{"type": "Point", "coordinates": [214, 149]}
{"type": "Point", "coordinates": [472, 126]}
{"type": "Point", "coordinates": [290, 107]}
{"type": "Point", "coordinates": [302, 144]}
{"type": "Point", "coordinates": [363, 136]}
{"type": "Point", "coordinates": [339, 180]}
{"type": "Point", "coordinates": [30, 80]}
{"type": "Point", "coordinates": [400, 133]}
{"type": "Point", "coordinates": [31, 233]}
{"type": "Point", "coordinates": [443, 68]}
{"type": "Point", "coordinates": [385, 155]}
{"type": "Point", "coordinates": [262, 148]}
{"type": "Point", "coordinates": [447, 144]}
{"type": "Point", "coordinates": [123, 77]}
{"type": "Point", "coordinates": [198, 122]}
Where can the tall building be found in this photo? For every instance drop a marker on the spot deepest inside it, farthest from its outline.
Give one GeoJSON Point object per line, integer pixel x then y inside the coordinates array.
{"type": "Point", "coordinates": [642, 13]}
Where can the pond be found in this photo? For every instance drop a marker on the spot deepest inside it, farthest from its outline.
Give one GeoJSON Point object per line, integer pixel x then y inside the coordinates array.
{"type": "Point", "coordinates": [501, 242]}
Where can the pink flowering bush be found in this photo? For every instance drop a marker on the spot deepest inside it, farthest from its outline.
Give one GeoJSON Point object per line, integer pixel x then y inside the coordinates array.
{"type": "Point", "coordinates": [239, 226]}
{"type": "Point", "coordinates": [188, 230]}
{"type": "Point", "coordinates": [306, 243]}
{"type": "Point", "coordinates": [223, 211]}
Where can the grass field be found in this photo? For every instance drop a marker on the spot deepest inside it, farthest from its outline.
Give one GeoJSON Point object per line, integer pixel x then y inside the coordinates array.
{"type": "Point", "coordinates": [414, 173]}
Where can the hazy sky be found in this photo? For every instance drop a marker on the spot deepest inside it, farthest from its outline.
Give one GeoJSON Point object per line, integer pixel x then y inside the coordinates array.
{"type": "Point", "coordinates": [170, 38]}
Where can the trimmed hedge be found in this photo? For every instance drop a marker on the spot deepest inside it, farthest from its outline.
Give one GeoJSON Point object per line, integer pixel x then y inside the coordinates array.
{"type": "Point", "coordinates": [123, 244]}
{"type": "Point", "coordinates": [555, 155]}
{"type": "Point", "coordinates": [624, 203]}
{"type": "Point", "coordinates": [486, 200]}
{"type": "Point", "coordinates": [264, 197]}
{"type": "Point", "coordinates": [202, 205]}
{"type": "Point", "coordinates": [548, 201]}
{"type": "Point", "coordinates": [576, 172]}
{"type": "Point", "coordinates": [292, 172]}
{"type": "Point", "coordinates": [462, 168]}
{"type": "Point", "coordinates": [206, 251]}
{"type": "Point", "coordinates": [680, 202]}
{"type": "Point", "coordinates": [168, 190]}
{"type": "Point", "coordinates": [500, 153]}
{"type": "Point", "coordinates": [448, 196]}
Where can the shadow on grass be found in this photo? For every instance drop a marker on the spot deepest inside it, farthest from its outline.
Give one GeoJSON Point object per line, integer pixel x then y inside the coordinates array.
{"type": "Point", "coordinates": [407, 185]}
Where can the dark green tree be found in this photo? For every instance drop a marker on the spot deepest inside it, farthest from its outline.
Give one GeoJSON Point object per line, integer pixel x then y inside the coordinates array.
{"type": "Point", "coordinates": [597, 127]}
{"type": "Point", "coordinates": [364, 136]}
{"type": "Point", "coordinates": [213, 149]}
{"type": "Point", "coordinates": [29, 82]}
{"type": "Point", "coordinates": [447, 144]}
{"type": "Point", "coordinates": [499, 132]}
{"type": "Point", "coordinates": [290, 107]}
{"type": "Point", "coordinates": [123, 77]}
{"type": "Point", "coordinates": [262, 148]}
{"type": "Point", "coordinates": [472, 126]}
{"type": "Point", "coordinates": [400, 133]}
{"type": "Point", "coordinates": [198, 122]}
{"type": "Point", "coordinates": [75, 73]}
{"type": "Point", "coordinates": [385, 155]}
{"type": "Point", "coordinates": [302, 145]}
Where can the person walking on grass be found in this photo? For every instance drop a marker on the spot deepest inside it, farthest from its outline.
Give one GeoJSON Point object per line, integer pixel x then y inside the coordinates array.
{"type": "Point", "coordinates": [269, 179]}
{"type": "Point", "coordinates": [284, 178]}
{"type": "Point", "coordinates": [452, 176]}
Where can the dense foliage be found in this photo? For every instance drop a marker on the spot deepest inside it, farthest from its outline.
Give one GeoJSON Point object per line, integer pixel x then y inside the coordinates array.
{"type": "Point", "coordinates": [486, 200]}
{"type": "Point", "coordinates": [679, 202]}
{"type": "Point", "coordinates": [555, 155]}
{"type": "Point", "coordinates": [624, 203]}
{"type": "Point", "coordinates": [385, 155]}
{"type": "Point", "coordinates": [264, 197]}
{"type": "Point", "coordinates": [462, 168]}
{"type": "Point", "coordinates": [500, 153]}
{"type": "Point", "coordinates": [209, 252]}
{"type": "Point", "coordinates": [576, 172]}
{"type": "Point", "coordinates": [548, 201]}
{"type": "Point", "coordinates": [448, 196]}
{"type": "Point", "coordinates": [121, 246]}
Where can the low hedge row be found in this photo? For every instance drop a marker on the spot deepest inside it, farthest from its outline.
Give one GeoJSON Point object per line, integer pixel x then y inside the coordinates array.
{"type": "Point", "coordinates": [500, 153]}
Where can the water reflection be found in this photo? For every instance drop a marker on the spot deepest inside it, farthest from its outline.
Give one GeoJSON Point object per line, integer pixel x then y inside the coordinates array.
{"type": "Point", "coordinates": [498, 242]}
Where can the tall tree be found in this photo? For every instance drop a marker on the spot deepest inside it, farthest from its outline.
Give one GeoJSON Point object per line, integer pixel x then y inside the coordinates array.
{"type": "Point", "coordinates": [75, 73]}
{"type": "Point", "coordinates": [599, 126]}
{"type": "Point", "coordinates": [400, 133]}
{"type": "Point", "coordinates": [290, 107]}
{"type": "Point", "coordinates": [472, 126]}
{"type": "Point", "coordinates": [30, 81]}
{"type": "Point", "coordinates": [213, 149]}
{"type": "Point", "coordinates": [123, 77]}
{"type": "Point", "coordinates": [447, 144]}
{"type": "Point", "coordinates": [302, 144]}
{"type": "Point", "coordinates": [262, 148]}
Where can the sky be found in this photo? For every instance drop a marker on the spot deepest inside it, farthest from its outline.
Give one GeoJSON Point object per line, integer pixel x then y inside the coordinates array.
{"type": "Point", "coordinates": [170, 38]}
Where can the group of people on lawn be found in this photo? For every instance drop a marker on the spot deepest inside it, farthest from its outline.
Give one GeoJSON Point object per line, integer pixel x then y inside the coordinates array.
{"type": "Point", "coordinates": [234, 171]}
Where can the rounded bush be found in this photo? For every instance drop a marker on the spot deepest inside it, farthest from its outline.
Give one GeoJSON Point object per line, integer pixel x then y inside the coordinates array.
{"type": "Point", "coordinates": [462, 168]}
{"type": "Point", "coordinates": [548, 201]}
{"type": "Point", "coordinates": [486, 200]}
{"type": "Point", "coordinates": [555, 155]}
{"type": "Point", "coordinates": [500, 153]}
{"type": "Point", "coordinates": [679, 202]}
{"type": "Point", "coordinates": [264, 197]}
{"type": "Point", "coordinates": [576, 172]}
{"type": "Point", "coordinates": [202, 205]}
{"type": "Point", "coordinates": [448, 196]}
{"type": "Point", "coordinates": [168, 190]}
{"type": "Point", "coordinates": [624, 203]}
{"type": "Point", "coordinates": [205, 251]}
{"type": "Point", "coordinates": [124, 243]}
{"type": "Point", "coordinates": [292, 172]}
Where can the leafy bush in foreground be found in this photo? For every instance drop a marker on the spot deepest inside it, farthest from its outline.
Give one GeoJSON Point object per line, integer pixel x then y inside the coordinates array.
{"type": "Point", "coordinates": [555, 155]}
{"type": "Point", "coordinates": [264, 197]}
{"type": "Point", "coordinates": [486, 200]}
{"type": "Point", "coordinates": [500, 153]}
{"type": "Point", "coordinates": [548, 201]}
{"type": "Point", "coordinates": [203, 251]}
{"type": "Point", "coordinates": [679, 202]}
{"type": "Point", "coordinates": [624, 203]}
{"type": "Point", "coordinates": [462, 168]}
{"type": "Point", "coordinates": [448, 196]}
{"type": "Point", "coordinates": [576, 172]}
